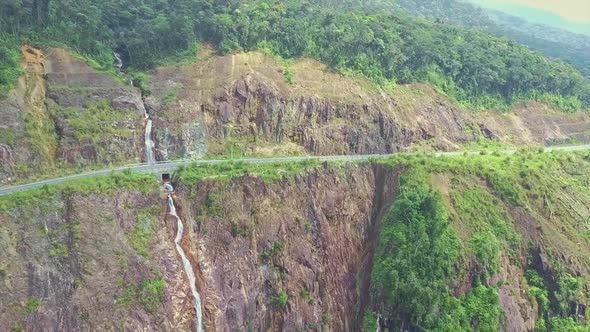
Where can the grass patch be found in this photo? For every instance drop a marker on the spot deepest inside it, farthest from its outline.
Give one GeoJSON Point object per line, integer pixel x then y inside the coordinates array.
{"type": "Point", "coordinates": [33, 304]}
{"type": "Point", "coordinates": [97, 121]}
{"type": "Point", "coordinates": [9, 137]}
{"type": "Point", "coordinates": [240, 147]}
{"type": "Point", "coordinates": [270, 253]}
{"type": "Point", "coordinates": [10, 68]}
{"type": "Point", "coordinates": [490, 224]}
{"type": "Point", "coordinates": [142, 235]}
{"type": "Point", "coordinates": [151, 294]}
{"type": "Point", "coordinates": [127, 296]}
{"type": "Point", "coordinates": [306, 296]}
{"type": "Point", "coordinates": [280, 299]}
{"type": "Point", "coordinates": [237, 230]}
{"type": "Point", "coordinates": [87, 186]}
{"type": "Point", "coordinates": [59, 250]}
{"type": "Point", "coordinates": [141, 80]}
{"type": "Point", "coordinates": [214, 204]}
{"type": "Point", "coordinates": [170, 98]}
{"type": "Point", "coordinates": [269, 172]}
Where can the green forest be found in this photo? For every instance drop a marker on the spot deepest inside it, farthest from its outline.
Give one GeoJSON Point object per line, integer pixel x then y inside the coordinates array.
{"type": "Point", "coordinates": [561, 44]}
{"type": "Point", "coordinates": [422, 252]}
{"type": "Point", "coordinates": [468, 65]}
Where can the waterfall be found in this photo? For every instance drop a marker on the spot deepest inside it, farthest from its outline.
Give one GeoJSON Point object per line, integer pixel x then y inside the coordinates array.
{"type": "Point", "coordinates": [118, 61]}
{"type": "Point", "coordinates": [188, 268]}
{"type": "Point", "coordinates": [378, 323]}
{"type": "Point", "coordinates": [149, 143]}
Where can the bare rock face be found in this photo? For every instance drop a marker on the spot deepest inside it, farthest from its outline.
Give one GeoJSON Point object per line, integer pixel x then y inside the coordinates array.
{"type": "Point", "coordinates": [248, 102]}
{"type": "Point", "coordinates": [6, 154]}
{"type": "Point", "coordinates": [73, 84]}
{"type": "Point", "coordinates": [186, 141]}
{"type": "Point", "coordinates": [71, 266]}
{"type": "Point", "coordinates": [129, 102]}
{"type": "Point", "coordinates": [76, 115]}
{"type": "Point", "coordinates": [152, 105]}
{"type": "Point", "coordinates": [324, 127]}
{"type": "Point", "coordinates": [319, 232]}
{"type": "Point", "coordinates": [520, 313]}
{"type": "Point", "coordinates": [87, 149]}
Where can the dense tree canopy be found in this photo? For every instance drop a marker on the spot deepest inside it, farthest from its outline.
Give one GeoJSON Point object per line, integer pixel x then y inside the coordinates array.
{"type": "Point", "coordinates": [568, 46]}
{"type": "Point", "coordinates": [469, 65]}
{"type": "Point", "coordinates": [9, 68]}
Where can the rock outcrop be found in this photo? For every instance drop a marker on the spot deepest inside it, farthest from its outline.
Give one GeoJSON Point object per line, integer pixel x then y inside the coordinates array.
{"type": "Point", "coordinates": [244, 99]}
{"type": "Point", "coordinates": [287, 255]}
{"type": "Point", "coordinates": [303, 237]}
{"type": "Point", "coordinates": [65, 113]}
{"type": "Point", "coordinates": [76, 93]}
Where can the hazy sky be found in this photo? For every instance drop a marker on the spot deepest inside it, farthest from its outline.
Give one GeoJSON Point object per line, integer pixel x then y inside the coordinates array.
{"type": "Point", "coordinates": [578, 10]}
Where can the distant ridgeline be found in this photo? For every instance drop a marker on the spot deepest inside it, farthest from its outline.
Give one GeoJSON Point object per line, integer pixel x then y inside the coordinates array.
{"type": "Point", "coordinates": [470, 66]}
{"type": "Point", "coordinates": [568, 46]}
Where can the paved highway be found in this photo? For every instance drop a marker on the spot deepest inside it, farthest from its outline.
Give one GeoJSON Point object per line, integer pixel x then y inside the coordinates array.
{"type": "Point", "coordinates": [170, 166]}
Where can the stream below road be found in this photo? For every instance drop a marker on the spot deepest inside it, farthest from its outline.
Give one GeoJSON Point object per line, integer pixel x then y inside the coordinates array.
{"type": "Point", "coordinates": [186, 264]}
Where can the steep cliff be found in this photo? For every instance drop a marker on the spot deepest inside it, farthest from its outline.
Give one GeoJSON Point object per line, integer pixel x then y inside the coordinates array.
{"type": "Point", "coordinates": [302, 247]}
{"type": "Point", "coordinates": [65, 115]}
{"type": "Point", "coordinates": [95, 255]}
{"type": "Point", "coordinates": [244, 104]}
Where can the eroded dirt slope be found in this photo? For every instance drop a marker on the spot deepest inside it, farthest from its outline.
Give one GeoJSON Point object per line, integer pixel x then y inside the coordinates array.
{"type": "Point", "coordinates": [65, 115]}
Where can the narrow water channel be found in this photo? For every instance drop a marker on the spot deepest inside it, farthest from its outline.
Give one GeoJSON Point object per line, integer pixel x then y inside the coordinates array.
{"type": "Point", "coordinates": [188, 268]}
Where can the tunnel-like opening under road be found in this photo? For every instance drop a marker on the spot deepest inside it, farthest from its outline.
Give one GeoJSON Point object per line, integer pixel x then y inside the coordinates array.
{"type": "Point", "coordinates": [166, 177]}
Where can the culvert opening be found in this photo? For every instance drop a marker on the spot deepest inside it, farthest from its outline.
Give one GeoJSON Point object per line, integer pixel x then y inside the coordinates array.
{"type": "Point", "coordinates": [166, 177]}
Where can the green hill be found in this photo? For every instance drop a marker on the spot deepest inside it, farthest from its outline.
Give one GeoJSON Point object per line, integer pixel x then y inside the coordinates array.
{"type": "Point", "coordinates": [473, 67]}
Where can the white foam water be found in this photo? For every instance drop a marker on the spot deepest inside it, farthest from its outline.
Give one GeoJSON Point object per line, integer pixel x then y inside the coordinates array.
{"type": "Point", "coordinates": [188, 268]}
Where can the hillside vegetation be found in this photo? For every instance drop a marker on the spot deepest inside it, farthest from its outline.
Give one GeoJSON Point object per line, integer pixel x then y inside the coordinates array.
{"type": "Point", "coordinates": [533, 14]}
{"type": "Point", "coordinates": [478, 243]}
{"type": "Point", "coordinates": [10, 69]}
{"type": "Point", "coordinates": [471, 66]}
{"type": "Point", "coordinates": [463, 219]}
{"type": "Point", "coordinates": [553, 42]}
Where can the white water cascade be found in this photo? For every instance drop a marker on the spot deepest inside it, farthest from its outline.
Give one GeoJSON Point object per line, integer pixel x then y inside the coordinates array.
{"type": "Point", "coordinates": [378, 324]}
{"type": "Point", "coordinates": [149, 143]}
{"type": "Point", "coordinates": [118, 61]}
{"type": "Point", "coordinates": [150, 157]}
{"type": "Point", "coordinates": [188, 268]}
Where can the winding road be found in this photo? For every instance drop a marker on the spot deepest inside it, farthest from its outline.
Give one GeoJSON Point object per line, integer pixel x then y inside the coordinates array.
{"type": "Point", "coordinates": [170, 166]}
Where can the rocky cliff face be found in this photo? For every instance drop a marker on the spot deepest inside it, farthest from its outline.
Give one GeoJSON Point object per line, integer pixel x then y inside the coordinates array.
{"type": "Point", "coordinates": [244, 100]}
{"type": "Point", "coordinates": [305, 237]}
{"type": "Point", "coordinates": [292, 254]}
{"type": "Point", "coordinates": [98, 119]}
{"type": "Point", "coordinates": [79, 262]}
{"type": "Point", "coordinates": [64, 113]}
